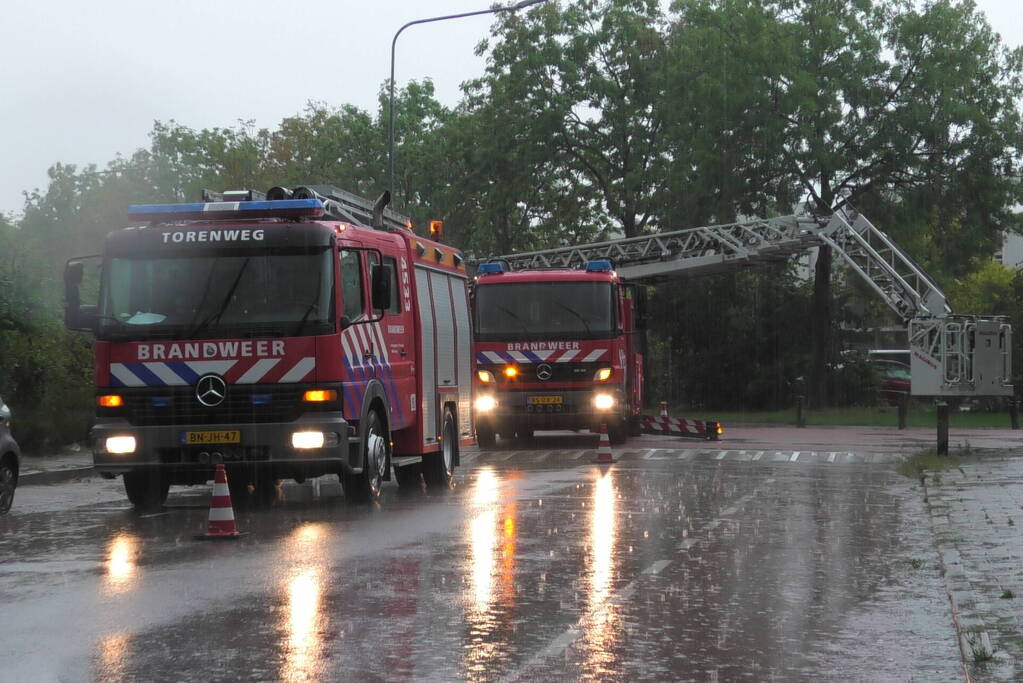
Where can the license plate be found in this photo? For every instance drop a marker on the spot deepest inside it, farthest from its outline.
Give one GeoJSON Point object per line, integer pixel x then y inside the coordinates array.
{"type": "Point", "coordinates": [206, 437]}
{"type": "Point", "coordinates": [546, 400]}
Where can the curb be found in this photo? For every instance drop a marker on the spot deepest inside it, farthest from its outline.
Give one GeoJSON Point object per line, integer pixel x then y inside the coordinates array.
{"type": "Point", "coordinates": [42, 477]}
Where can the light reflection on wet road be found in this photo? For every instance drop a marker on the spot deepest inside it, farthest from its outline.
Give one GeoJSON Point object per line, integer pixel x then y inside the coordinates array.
{"type": "Point", "coordinates": [695, 569]}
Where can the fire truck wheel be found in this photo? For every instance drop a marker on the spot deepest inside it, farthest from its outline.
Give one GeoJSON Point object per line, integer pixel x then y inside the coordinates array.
{"type": "Point", "coordinates": [616, 433]}
{"type": "Point", "coordinates": [365, 486]}
{"type": "Point", "coordinates": [438, 467]}
{"type": "Point", "coordinates": [485, 436]}
{"type": "Point", "coordinates": [266, 490]}
{"type": "Point", "coordinates": [146, 490]}
{"type": "Point", "coordinates": [524, 433]}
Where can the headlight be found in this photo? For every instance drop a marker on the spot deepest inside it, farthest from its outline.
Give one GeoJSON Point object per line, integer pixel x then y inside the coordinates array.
{"type": "Point", "coordinates": [486, 376]}
{"type": "Point", "coordinates": [120, 444]}
{"type": "Point", "coordinates": [603, 401]}
{"type": "Point", "coordinates": [484, 404]}
{"type": "Point", "coordinates": [603, 374]}
{"type": "Point", "coordinates": [304, 440]}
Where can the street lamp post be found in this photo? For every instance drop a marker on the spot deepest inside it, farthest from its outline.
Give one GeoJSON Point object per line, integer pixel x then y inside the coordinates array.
{"type": "Point", "coordinates": [390, 110]}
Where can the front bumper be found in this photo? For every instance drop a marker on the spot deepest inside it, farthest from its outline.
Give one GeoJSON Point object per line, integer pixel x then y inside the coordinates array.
{"type": "Point", "coordinates": [574, 409]}
{"type": "Point", "coordinates": [260, 445]}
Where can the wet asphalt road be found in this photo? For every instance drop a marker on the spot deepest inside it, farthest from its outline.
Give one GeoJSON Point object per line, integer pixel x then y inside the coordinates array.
{"type": "Point", "coordinates": [675, 563]}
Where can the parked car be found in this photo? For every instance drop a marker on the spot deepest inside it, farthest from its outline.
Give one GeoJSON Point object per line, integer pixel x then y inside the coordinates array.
{"type": "Point", "coordinates": [10, 459]}
{"type": "Point", "coordinates": [894, 378]}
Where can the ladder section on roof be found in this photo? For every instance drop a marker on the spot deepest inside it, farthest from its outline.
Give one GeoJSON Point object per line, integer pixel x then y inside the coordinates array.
{"type": "Point", "coordinates": [354, 209]}
{"type": "Point", "coordinates": [903, 285]}
{"type": "Point", "coordinates": [695, 251]}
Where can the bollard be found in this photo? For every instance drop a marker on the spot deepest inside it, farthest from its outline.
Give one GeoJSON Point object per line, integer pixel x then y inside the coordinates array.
{"type": "Point", "coordinates": [903, 409]}
{"type": "Point", "coordinates": [942, 428]}
{"type": "Point", "coordinates": [800, 415]}
{"type": "Point", "coordinates": [1014, 412]}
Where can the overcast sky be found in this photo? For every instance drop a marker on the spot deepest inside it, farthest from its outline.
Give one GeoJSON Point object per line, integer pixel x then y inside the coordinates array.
{"type": "Point", "coordinates": [84, 81]}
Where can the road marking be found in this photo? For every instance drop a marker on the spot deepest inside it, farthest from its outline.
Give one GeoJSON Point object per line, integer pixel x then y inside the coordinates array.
{"type": "Point", "coordinates": [686, 454]}
{"type": "Point", "coordinates": [687, 544]}
{"type": "Point", "coordinates": [650, 454]}
{"type": "Point", "coordinates": [795, 456]}
{"type": "Point", "coordinates": [831, 456]}
{"type": "Point", "coordinates": [721, 455]}
{"type": "Point", "coordinates": [656, 567]}
{"type": "Point", "coordinates": [578, 454]}
{"type": "Point", "coordinates": [758, 455]}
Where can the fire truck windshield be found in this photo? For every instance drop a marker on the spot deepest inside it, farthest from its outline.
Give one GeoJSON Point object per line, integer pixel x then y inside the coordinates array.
{"type": "Point", "coordinates": [227, 294]}
{"type": "Point", "coordinates": [544, 310]}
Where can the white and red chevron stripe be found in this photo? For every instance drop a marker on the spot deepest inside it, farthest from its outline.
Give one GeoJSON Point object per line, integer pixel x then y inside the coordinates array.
{"type": "Point", "coordinates": [363, 343]}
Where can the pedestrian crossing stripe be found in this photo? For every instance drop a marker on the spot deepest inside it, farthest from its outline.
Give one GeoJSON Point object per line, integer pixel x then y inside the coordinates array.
{"type": "Point", "coordinates": [675, 454]}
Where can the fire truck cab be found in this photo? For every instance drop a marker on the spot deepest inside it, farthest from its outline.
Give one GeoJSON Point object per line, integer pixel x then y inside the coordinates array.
{"type": "Point", "coordinates": [286, 335]}
{"type": "Point", "coordinates": [556, 349]}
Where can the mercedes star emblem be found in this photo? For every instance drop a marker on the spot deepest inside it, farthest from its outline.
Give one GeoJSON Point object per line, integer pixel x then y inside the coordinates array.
{"type": "Point", "coordinates": [543, 372]}
{"type": "Point", "coordinates": [211, 390]}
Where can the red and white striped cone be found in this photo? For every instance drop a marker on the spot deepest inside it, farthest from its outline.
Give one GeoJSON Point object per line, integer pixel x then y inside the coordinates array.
{"type": "Point", "coordinates": [665, 418]}
{"type": "Point", "coordinates": [664, 409]}
{"type": "Point", "coordinates": [604, 456]}
{"type": "Point", "coordinates": [221, 524]}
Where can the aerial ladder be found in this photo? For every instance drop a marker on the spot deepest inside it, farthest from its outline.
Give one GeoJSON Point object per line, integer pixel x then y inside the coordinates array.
{"type": "Point", "coordinates": [950, 354]}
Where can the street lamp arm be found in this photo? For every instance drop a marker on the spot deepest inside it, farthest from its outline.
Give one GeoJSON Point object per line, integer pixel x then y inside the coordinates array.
{"type": "Point", "coordinates": [390, 109]}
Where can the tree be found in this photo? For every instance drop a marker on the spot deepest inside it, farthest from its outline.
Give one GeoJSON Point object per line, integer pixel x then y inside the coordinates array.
{"type": "Point", "coordinates": [589, 74]}
{"type": "Point", "coordinates": [878, 103]}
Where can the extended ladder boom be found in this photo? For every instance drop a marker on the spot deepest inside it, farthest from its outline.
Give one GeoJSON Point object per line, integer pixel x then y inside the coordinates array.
{"type": "Point", "coordinates": [952, 355]}
{"type": "Point", "coordinates": [720, 248]}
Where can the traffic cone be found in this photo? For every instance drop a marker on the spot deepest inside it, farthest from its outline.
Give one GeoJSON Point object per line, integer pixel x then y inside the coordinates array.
{"type": "Point", "coordinates": [664, 409]}
{"type": "Point", "coordinates": [604, 456]}
{"type": "Point", "coordinates": [221, 524]}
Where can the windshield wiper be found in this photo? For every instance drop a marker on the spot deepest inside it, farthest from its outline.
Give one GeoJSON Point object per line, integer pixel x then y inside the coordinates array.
{"type": "Point", "coordinates": [519, 320]}
{"type": "Point", "coordinates": [576, 314]}
{"type": "Point", "coordinates": [215, 317]}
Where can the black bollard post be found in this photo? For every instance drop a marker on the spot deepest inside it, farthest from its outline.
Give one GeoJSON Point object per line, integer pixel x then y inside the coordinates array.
{"type": "Point", "coordinates": [942, 428]}
{"type": "Point", "coordinates": [903, 409]}
{"type": "Point", "coordinates": [1014, 412]}
{"type": "Point", "coordinates": [800, 414]}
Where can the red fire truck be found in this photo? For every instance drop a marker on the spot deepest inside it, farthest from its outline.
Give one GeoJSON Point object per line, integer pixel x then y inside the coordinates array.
{"type": "Point", "coordinates": [556, 349]}
{"type": "Point", "coordinates": [286, 335]}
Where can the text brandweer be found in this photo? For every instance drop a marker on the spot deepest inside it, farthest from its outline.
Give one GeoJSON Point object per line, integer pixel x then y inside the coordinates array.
{"type": "Point", "coordinates": [243, 349]}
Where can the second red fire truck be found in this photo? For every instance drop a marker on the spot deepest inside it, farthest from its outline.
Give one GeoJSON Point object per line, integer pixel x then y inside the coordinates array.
{"type": "Point", "coordinates": [289, 335]}
{"type": "Point", "coordinates": [556, 349]}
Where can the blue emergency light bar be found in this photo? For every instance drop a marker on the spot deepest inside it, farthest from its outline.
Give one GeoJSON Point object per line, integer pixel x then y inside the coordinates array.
{"type": "Point", "coordinates": [219, 211]}
{"type": "Point", "coordinates": [599, 266]}
{"type": "Point", "coordinates": [490, 269]}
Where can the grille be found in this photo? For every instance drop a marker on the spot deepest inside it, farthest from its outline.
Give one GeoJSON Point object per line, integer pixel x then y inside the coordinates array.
{"type": "Point", "coordinates": [560, 372]}
{"type": "Point", "coordinates": [252, 404]}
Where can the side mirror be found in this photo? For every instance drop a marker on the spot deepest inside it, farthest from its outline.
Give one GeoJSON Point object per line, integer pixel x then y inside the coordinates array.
{"type": "Point", "coordinates": [76, 316]}
{"type": "Point", "coordinates": [381, 293]}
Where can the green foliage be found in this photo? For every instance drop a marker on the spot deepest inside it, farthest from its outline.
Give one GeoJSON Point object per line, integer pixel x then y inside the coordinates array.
{"type": "Point", "coordinates": [606, 117]}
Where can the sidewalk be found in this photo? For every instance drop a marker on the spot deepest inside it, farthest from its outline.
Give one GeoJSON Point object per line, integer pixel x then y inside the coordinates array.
{"type": "Point", "coordinates": [52, 469]}
{"type": "Point", "coordinates": [976, 511]}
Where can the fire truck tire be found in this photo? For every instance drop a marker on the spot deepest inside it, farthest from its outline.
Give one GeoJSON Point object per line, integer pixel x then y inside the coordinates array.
{"type": "Point", "coordinates": [266, 490]}
{"type": "Point", "coordinates": [524, 433]}
{"type": "Point", "coordinates": [616, 433]}
{"type": "Point", "coordinates": [485, 436]}
{"type": "Point", "coordinates": [146, 490]}
{"type": "Point", "coordinates": [365, 486]}
{"type": "Point", "coordinates": [438, 467]}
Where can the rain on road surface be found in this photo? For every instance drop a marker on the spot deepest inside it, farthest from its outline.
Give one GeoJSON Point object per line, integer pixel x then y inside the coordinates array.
{"type": "Point", "coordinates": [678, 562]}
